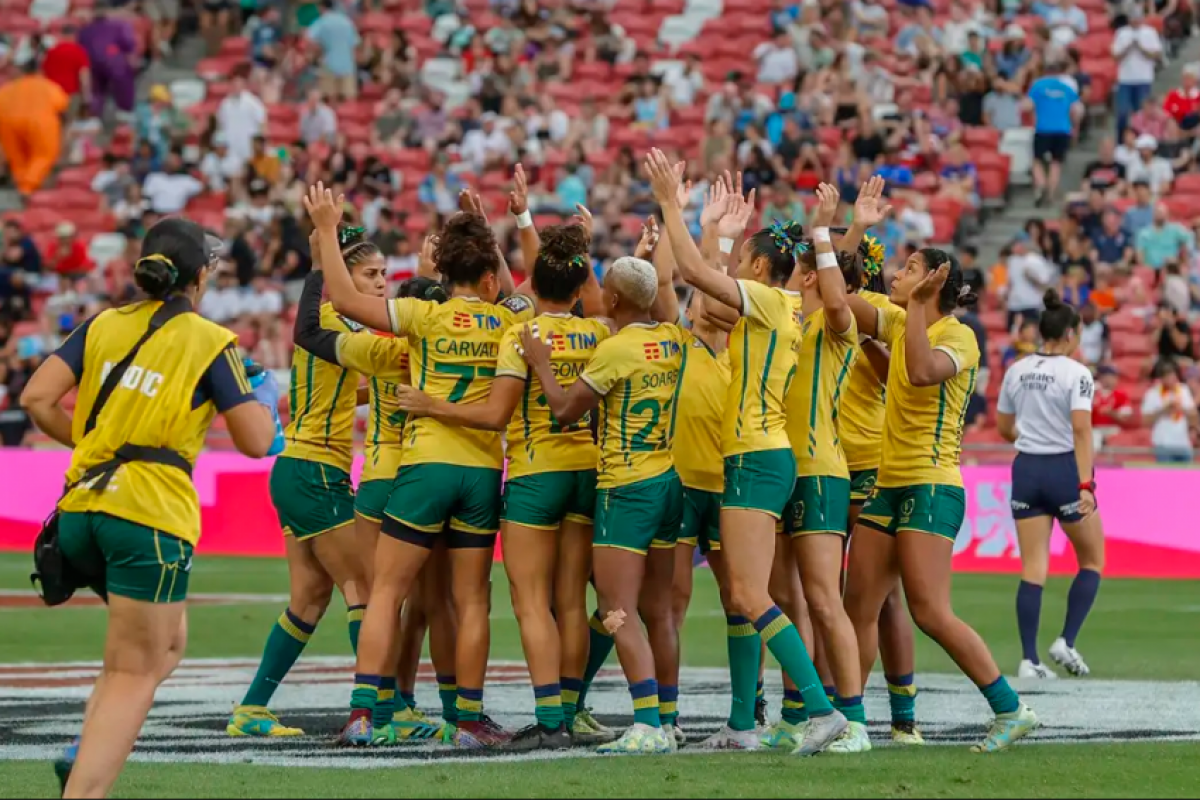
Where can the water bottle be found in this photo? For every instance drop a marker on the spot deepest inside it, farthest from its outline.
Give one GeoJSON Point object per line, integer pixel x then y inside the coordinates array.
{"type": "Point", "coordinates": [258, 376]}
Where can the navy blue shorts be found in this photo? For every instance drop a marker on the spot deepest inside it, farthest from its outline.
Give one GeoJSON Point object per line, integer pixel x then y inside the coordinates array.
{"type": "Point", "coordinates": [1045, 486]}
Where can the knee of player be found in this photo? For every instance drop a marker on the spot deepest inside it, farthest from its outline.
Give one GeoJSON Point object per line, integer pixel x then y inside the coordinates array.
{"type": "Point", "coordinates": [823, 606]}
{"type": "Point", "coordinates": [748, 601]}
{"type": "Point", "coordinates": [931, 617]}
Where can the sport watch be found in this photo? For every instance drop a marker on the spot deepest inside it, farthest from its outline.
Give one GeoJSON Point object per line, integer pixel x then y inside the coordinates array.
{"type": "Point", "coordinates": [1089, 486]}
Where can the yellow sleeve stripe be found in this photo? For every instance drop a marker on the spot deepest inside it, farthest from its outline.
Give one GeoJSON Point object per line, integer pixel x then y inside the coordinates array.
{"type": "Point", "coordinates": [341, 342]}
{"type": "Point", "coordinates": [592, 385]}
{"type": "Point", "coordinates": [393, 322]}
{"type": "Point", "coordinates": [238, 369]}
{"type": "Point", "coordinates": [510, 373]}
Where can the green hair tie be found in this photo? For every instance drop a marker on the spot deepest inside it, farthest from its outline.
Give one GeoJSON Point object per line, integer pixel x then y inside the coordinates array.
{"type": "Point", "coordinates": [578, 261]}
{"type": "Point", "coordinates": [781, 235]}
{"type": "Point", "coordinates": [347, 235]}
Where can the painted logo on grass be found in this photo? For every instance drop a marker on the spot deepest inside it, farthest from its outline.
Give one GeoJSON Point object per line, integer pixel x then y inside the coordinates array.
{"type": "Point", "coordinates": [41, 706]}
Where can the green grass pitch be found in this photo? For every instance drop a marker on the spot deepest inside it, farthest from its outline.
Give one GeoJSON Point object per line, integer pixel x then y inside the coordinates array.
{"type": "Point", "coordinates": [1128, 731]}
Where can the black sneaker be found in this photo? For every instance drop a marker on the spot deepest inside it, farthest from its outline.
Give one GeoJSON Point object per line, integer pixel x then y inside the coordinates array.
{"type": "Point", "coordinates": [760, 712]}
{"type": "Point", "coordinates": [538, 737]}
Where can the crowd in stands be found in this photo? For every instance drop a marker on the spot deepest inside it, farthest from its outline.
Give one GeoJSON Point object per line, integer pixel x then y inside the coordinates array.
{"type": "Point", "coordinates": [403, 104]}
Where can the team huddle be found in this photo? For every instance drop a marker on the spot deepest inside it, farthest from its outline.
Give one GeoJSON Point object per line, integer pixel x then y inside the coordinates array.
{"type": "Point", "coordinates": [601, 431]}
{"type": "Point", "coordinates": [798, 403]}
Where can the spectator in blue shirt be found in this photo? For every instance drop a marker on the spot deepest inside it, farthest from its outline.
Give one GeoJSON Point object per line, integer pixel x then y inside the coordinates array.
{"type": "Point", "coordinates": [1054, 99]}
{"type": "Point", "coordinates": [571, 190]}
{"type": "Point", "coordinates": [338, 38]}
{"type": "Point", "coordinates": [1163, 240]}
{"type": "Point", "coordinates": [960, 179]}
{"type": "Point", "coordinates": [783, 14]}
{"type": "Point", "coordinates": [896, 174]}
{"type": "Point", "coordinates": [1141, 213]}
{"type": "Point", "coordinates": [20, 251]}
{"type": "Point", "coordinates": [265, 38]}
{"type": "Point", "coordinates": [1111, 245]}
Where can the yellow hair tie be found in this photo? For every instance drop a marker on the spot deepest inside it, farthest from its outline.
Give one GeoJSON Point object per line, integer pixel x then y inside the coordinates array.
{"type": "Point", "coordinates": [159, 257]}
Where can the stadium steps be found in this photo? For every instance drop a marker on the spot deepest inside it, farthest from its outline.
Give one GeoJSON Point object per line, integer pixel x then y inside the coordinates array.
{"type": "Point", "coordinates": [1002, 227]}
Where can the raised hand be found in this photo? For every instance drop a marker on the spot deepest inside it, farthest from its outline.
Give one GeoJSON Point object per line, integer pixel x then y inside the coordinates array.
{"type": "Point", "coordinates": [716, 203]}
{"type": "Point", "coordinates": [683, 194]}
{"type": "Point", "coordinates": [931, 284]}
{"type": "Point", "coordinates": [584, 218]}
{"type": "Point", "coordinates": [469, 202]}
{"type": "Point", "coordinates": [664, 181]}
{"type": "Point", "coordinates": [323, 208]}
{"type": "Point", "coordinates": [649, 239]}
{"type": "Point", "coordinates": [737, 217]}
{"type": "Point", "coordinates": [426, 266]}
{"type": "Point", "coordinates": [828, 199]}
{"type": "Point", "coordinates": [518, 198]}
{"type": "Point", "coordinates": [870, 209]}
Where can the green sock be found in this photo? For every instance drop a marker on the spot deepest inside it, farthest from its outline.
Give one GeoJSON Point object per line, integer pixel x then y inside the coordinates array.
{"type": "Point", "coordinates": [470, 704]}
{"type": "Point", "coordinates": [851, 708]}
{"type": "Point", "coordinates": [902, 698]}
{"type": "Point", "coordinates": [408, 698]}
{"type": "Point", "coordinates": [784, 642]}
{"type": "Point", "coordinates": [645, 703]}
{"type": "Point", "coordinates": [285, 644]}
{"type": "Point", "coordinates": [354, 616]}
{"type": "Point", "coordinates": [745, 647]}
{"type": "Point", "coordinates": [448, 694]}
{"type": "Point", "coordinates": [549, 705]}
{"type": "Point", "coordinates": [571, 689]}
{"type": "Point", "coordinates": [794, 712]}
{"type": "Point", "coordinates": [385, 705]}
{"type": "Point", "coordinates": [600, 645]}
{"type": "Point", "coordinates": [668, 704]}
{"type": "Point", "coordinates": [1001, 697]}
{"type": "Point", "coordinates": [366, 692]}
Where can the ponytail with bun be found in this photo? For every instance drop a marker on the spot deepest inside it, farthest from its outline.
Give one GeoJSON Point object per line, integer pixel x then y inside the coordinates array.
{"type": "Point", "coordinates": [562, 265]}
{"type": "Point", "coordinates": [174, 254]}
{"type": "Point", "coordinates": [1058, 319]}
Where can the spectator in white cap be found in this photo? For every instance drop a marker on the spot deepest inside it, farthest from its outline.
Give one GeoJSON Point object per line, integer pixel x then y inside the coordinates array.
{"type": "Point", "coordinates": [1066, 20]}
{"type": "Point", "coordinates": [68, 256]}
{"type": "Point", "coordinates": [1138, 51]}
{"type": "Point", "coordinates": [1013, 54]}
{"type": "Point", "coordinates": [1150, 167]}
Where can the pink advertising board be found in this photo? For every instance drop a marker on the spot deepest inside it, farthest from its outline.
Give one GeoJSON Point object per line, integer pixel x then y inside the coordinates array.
{"type": "Point", "coordinates": [1148, 536]}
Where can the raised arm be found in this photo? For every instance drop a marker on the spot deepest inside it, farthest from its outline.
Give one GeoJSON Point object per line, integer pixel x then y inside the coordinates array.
{"type": "Point", "coordinates": [307, 331]}
{"type": "Point", "coordinates": [568, 405]}
{"type": "Point", "coordinates": [470, 203]}
{"type": "Point", "coordinates": [838, 316]}
{"type": "Point", "coordinates": [518, 206]}
{"type": "Point", "coordinates": [865, 314]}
{"type": "Point", "coordinates": [491, 415]}
{"type": "Point", "coordinates": [926, 366]}
{"type": "Point", "coordinates": [869, 211]}
{"type": "Point", "coordinates": [664, 180]}
{"type": "Point", "coordinates": [326, 211]}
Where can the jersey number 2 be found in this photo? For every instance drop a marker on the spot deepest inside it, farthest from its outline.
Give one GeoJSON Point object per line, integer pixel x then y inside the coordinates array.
{"type": "Point", "coordinates": [641, 440]}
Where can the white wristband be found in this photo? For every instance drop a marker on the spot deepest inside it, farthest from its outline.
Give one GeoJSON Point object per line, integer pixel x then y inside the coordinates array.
{"type": "Point", "coordinates": [524, 219]}
{"type": "Point", "coordinates": [726, 245]}
{"type": "Point", "coordinates": [821, 235]}
{"type": "Point", "coordinates": [827, 261]}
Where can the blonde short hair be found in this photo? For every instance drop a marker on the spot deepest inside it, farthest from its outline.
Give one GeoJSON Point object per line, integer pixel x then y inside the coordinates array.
{"type": "Point", "coordinates": [635, 280]}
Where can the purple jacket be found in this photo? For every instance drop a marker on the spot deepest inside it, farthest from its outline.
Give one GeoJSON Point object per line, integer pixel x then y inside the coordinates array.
{"type": "Point", "coordinates": [109, 42]}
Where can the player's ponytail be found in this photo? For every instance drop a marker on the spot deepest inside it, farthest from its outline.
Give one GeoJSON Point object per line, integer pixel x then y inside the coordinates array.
{"type": "Point", "coordinates": [781, 244]}
{"type": "Point", "coordinates": [562, 265]}
{"type": "Point", "coordinates": [873, 255]}
{"type": "Point", "coordinates": [1058, 319]}
{"type": "Point", "coordinates": [466, 250]}
{"type": "Point", "coordinates": [174, 254]}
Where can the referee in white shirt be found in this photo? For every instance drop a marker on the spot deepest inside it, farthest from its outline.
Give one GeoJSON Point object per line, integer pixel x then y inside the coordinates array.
{"type": "Point", "coordinates": [1046, 409]}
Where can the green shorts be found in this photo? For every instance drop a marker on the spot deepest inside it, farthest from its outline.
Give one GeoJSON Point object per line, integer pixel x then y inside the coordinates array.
{"type": "Point", "coordinates": [862, 481]}
{"type": "Point", "coordinates": [371, 499]}
{"type": "Point", "coordinates": [928, 507]}
{"type": "Point", "coordinates": [701, 524]}
{"type": "Point", "coordinates": [427, 499]}
{"type": "Point", "coordinates": [138, 562]}
{"type": "Point", "coordinates": [819, 504]}
{"type": "Point", "coordinates": [311, 498]}
{"type": "Point", "coordinates": [546, 499]}
{"type": "Point", "coordinates": [641, 515]}
{"type": "Point", "coordinates": [761, 481]}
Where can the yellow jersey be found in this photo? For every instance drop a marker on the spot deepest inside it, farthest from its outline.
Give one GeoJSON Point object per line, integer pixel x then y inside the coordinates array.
{"type": "Point", "coordinates": [536, 441]}
{"type": "Point", "coordinates": [636, 373]}
{"type": "Point", "coordinates": [186, 373]}
{"type": "Point", "coordinates": [704, 385]}
{"type": "Point", "coordinates": [383, 358]}
{"type": "Point", "coordinates": [453, 350]}
{"type": "Point", "coordinates": [923, 427]}
{"type": "Point", "coordinates": [323, 399]}
{"type": "Point", "coordinates": [762, 354]}
{"type": "Point", "coordinates": [814, 399]}
{"type": "Point", "coordinates": [863, 404]}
